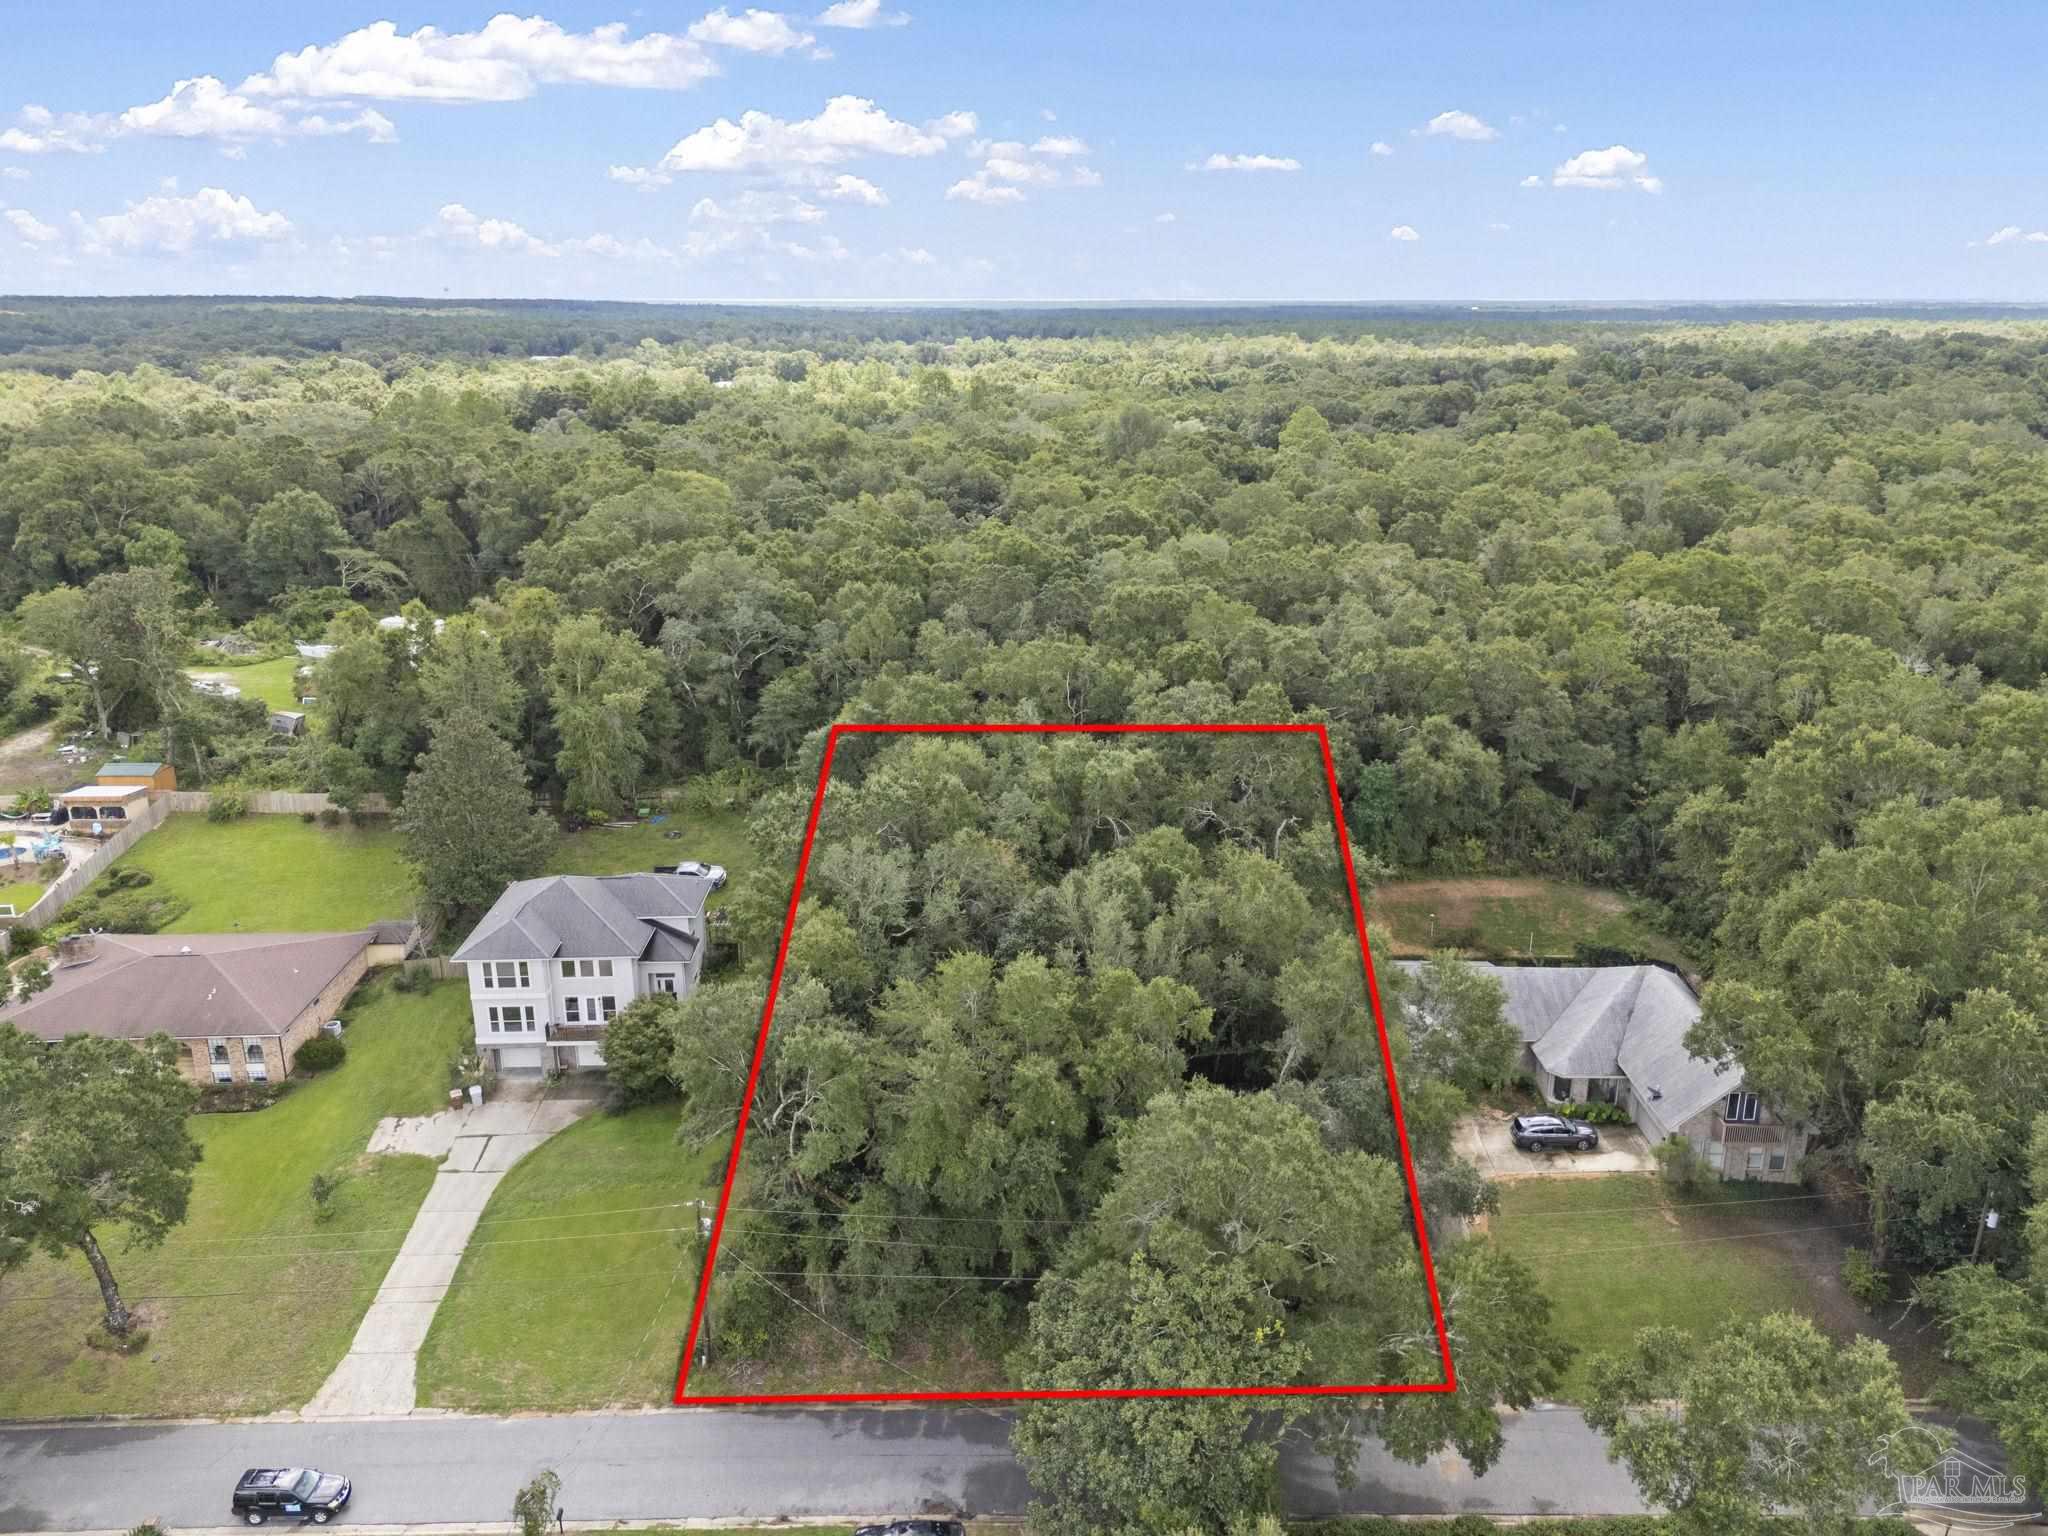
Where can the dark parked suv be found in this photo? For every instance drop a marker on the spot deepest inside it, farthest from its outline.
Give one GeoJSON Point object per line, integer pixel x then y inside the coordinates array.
{"type": "Point", "coordinates": [296, 1491]}
{"type": "Point", "coordinates": [913, 1528]}
{"type": "Point", "coordinates": [1532, 1132]}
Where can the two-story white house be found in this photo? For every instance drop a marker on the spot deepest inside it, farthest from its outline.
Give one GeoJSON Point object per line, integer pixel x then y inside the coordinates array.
{"type": "Point", "coordinates": [556, 958]}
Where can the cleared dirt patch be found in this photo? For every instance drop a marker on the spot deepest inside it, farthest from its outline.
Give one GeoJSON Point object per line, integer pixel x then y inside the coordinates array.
{"type": "Point", "coordinates": [29, 760]}
{"type": "Point", "coordinates": [1512, 917]}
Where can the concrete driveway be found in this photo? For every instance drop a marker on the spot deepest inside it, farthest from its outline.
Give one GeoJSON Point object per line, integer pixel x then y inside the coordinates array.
{"type": "Point", "coordinates": [1484, 1139]}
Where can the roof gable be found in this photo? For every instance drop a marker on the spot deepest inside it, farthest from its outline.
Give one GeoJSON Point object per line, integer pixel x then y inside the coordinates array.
{"type": "Point", "coordinates": [587, 917]}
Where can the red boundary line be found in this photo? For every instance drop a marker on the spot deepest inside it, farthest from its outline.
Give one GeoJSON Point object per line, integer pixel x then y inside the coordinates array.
{"type": "Point", "coordinates": [732, 1162]}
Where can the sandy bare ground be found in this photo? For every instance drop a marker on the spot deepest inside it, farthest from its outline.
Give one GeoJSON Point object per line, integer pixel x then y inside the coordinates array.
{"type": "Point", "coordinates": [30, 759]}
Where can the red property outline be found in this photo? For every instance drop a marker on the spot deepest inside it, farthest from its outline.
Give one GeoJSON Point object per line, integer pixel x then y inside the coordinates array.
{"type": "Point", "coordinates": [732, 1162]}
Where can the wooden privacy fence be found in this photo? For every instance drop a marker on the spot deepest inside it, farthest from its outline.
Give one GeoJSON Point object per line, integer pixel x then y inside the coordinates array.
{"type": "Point", "coordinates": [273, 802]}
{"type": "Point", "coordinates": [80, 873]}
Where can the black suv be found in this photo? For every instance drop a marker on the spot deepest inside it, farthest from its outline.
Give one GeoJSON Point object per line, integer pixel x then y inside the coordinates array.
{"type": "Point", "coordinates": [913, 1528]}
{"type": "Point", "coordinates": [1534, 1131]}
{"type": "Point", "coordinates": [301, 1491]}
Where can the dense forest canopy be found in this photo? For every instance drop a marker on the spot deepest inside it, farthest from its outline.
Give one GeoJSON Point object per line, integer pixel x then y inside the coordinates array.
{"type": "Point", "coordinates": [1749, 619]}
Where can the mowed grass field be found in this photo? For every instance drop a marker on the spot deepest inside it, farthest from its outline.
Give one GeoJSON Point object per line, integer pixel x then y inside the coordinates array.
{"type": "Point", "coordinates": [249, 1304]}
{"type": "Point", "coordinates": [271, 681]}
{"type": "Point", "coordinates": [282, 874]}
{"type": "Point", "coordinates": [580, 1278]}
{"type": "Point", "coordinates": [277, 874]}
{"type": "Point", "coordinates": [1512, 918]}
{"type": "Point", "coordinates": [1617, 1254]}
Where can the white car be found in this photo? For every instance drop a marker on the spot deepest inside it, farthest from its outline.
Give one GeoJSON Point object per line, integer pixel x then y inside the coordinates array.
{"type": "Point", "coordinates": [715, 873]}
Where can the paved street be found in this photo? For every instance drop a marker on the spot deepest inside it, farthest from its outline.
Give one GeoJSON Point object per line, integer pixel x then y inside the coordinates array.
{"type": "Point", "coordinates": [712, 1463]}
{"type": "Point", "coordinates": [706, 1463]}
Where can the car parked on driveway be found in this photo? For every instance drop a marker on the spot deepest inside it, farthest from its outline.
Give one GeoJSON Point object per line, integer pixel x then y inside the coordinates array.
{"type": "Point", "coordinates": [302, 1493]}
{"type": "Point", "coordinates": [1534, 1133]}
{"type": "Point", "coordinates": [713, 872]}
{"type": "Point", "coordinates": [919, 1527]}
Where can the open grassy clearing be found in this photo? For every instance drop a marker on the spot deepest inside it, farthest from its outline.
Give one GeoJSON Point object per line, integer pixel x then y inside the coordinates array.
{"type": "Point", "coordinates": [271, 681]}
{"type": "Point", "coordinates": [249, 1304]}
{"type": "Point", "coordinates": [276, 874]}
{"type": "Point", "coordinates": [579, 1281]}
{"type": "Point", "coordinates": [1620, 1253]}
{"type": "Point", "coordinates": [21, 896]}
{"type": "Point", "coordinates": [716, 837]}
{"type": "Point", "coordinates": [1522, 918]}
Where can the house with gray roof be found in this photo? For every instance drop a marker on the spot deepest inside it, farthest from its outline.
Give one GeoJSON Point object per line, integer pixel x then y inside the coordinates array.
{"type": "Point", "coordinates": [555, 959]}
{"type": "Point", "coordinates": [1615, 1034]}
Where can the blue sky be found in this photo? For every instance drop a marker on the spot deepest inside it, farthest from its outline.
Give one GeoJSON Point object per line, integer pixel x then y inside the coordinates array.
{"type": "Point", "coordinates": [1031, 152]}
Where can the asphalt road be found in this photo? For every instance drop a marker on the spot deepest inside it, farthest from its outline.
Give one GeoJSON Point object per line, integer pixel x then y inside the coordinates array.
{"type": "Point", "coordinates": [678, 1464]}
{"type": "Point", "coordinates": [711, 1463]}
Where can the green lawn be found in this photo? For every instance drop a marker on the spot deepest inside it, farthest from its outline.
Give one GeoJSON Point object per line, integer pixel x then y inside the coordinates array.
{"type": "Point", "coordinates": [1512, 918]}
{"type": "Point", "coordinates": [249, 1304]}
{"type": "Point", "coordinates": [271, 681]}
{"type": "Point", "coordinates": [715, 837]}
{"type": "Point", "coordinates": [577, 1323]}
{"type": "Point", "coordinates": [1616, 1254]}
{"type": "Point", "coordinates": [276, 873]}
{"type": "Point", "coordinates": [21, 897]}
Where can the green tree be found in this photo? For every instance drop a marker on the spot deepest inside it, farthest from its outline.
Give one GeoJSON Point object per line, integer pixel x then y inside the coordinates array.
{"type": "Point", "coordinates": [1156, 1464]}
{"type": "Point", "coordinates": [1760, 1416]}
{"type": "Point", "coordinates": [640, 1045]}
{"type": "Point", "coordinates": [600, 684]}
{"type": "Point", "coordinates": [468, 823]}
{"type": "Point", "coordinates": [93, 1133]}
{"type": "Point", "coordinates": [534, 1506]}
{"type": "Point", "coordinates": [465, 668]}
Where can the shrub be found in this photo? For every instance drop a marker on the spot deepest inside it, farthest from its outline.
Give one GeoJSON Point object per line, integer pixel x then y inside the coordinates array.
{"type": "Point", "coordinates": [533, 1507]}
{"type": "Point", "coordinates": [323, 1189]}
{"type": "Point", "coordinates": [309, 817]}
{"type": "Point", "coordinates": [1684, 1170]}
{"type": "Point", "coordinates": [413, 978]}
{"type": "Point", "coordinates": [240, 1098]}
{"type": "Point", "coordinates": [131, 911]}
{"type": "Point", "coordinates": [1862, 1278]}
{"type": "Point", "coordinates": [36, 799]}
{"type": "Point", "coordinates": [227, 803]}
{"type": "Point", "coordinates": [322, 1053]}
{"type": "Point", "coordinates": [51, 870]}
{"type": "Point", "coordinates": [329, 817]}
{"type": "Point", "coordinates": [127, 877]}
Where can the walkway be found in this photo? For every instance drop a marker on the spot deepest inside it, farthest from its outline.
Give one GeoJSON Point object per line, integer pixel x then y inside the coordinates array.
{"type": "Point", "coordinates": [477, 1146]}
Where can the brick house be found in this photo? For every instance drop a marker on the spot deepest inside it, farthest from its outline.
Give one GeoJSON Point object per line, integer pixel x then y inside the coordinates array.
{"type": "Point", "coordinates": [239, 1004]}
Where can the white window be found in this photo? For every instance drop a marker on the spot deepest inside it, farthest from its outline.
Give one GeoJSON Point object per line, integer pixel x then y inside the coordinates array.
{"type": "Point", "coordinates": [604, 967]}
{"type": "Point", "coordinates": [1742, 1108]}
{"type": "Point", "coordinates": [662, 981]}
{"type": "Point", "coordinates": [572, 1010]}
{"type": "Point", "coordinates": [509, 973]}
{"type": "Point", "coordinates": [510, 1019]}
{"type": "Point", "coordinates": [217, 1056]}
{"type": "Point", "coordinates": [1777, 1162]}
{"type": "Point", "coordinates": [611, 1007]}
{"type": "Point", "coordinates": [568, 968]}
{"type": "Point", "coordinates": [252, 1053]}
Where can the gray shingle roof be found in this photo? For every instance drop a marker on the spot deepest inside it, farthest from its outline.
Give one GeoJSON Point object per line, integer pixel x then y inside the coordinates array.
{"type": "Point", "coordinates": [1614, 1021]}
{"type": "Point", "coordinates": [190, 986]}
{"type": "Point", "coordinates": [591, 917]}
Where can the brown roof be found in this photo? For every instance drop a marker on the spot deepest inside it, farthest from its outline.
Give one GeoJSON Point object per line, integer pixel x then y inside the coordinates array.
{"type": "Point", "coordinates": [190, 986]}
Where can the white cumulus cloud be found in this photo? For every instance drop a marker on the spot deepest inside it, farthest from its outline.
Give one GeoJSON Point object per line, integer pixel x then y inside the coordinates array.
{"type": "Point", "coordinates": [1460, 125]}
{"type": "Point", "coordinates": [32, 230]}
{"type": "Point", "coordinates": [1606, 170]}
{"type": "Point", "coordinates": [459, 224]}
{"type": "Point", "coordinates": [169, 223]}
{"type": "Point", "coordinates": [2012, 232]}
{"type": "Point", "coordinates": [1220, 162]}
{"type": "Point", "coordinates": [1060, 144]}
{"type": "Point", "coordinates": [1382, 148]}
{"type": "Point", "coordinates": [507, 59]}
{"type": "Point", "coordinates": [848, 127]}
{"type": "Point", "coordinates": [978, 189]}
{"type": "Point", "coordinates": [854, 189]}
{"type": "Point", "coordinates": [39, 131]}
{"type": "Point", "coordinates": [751, 31]}
{"type": "Point", "coordinates": [859, 15]}
{"type": "Point", "coordinates": [1403, 232]}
